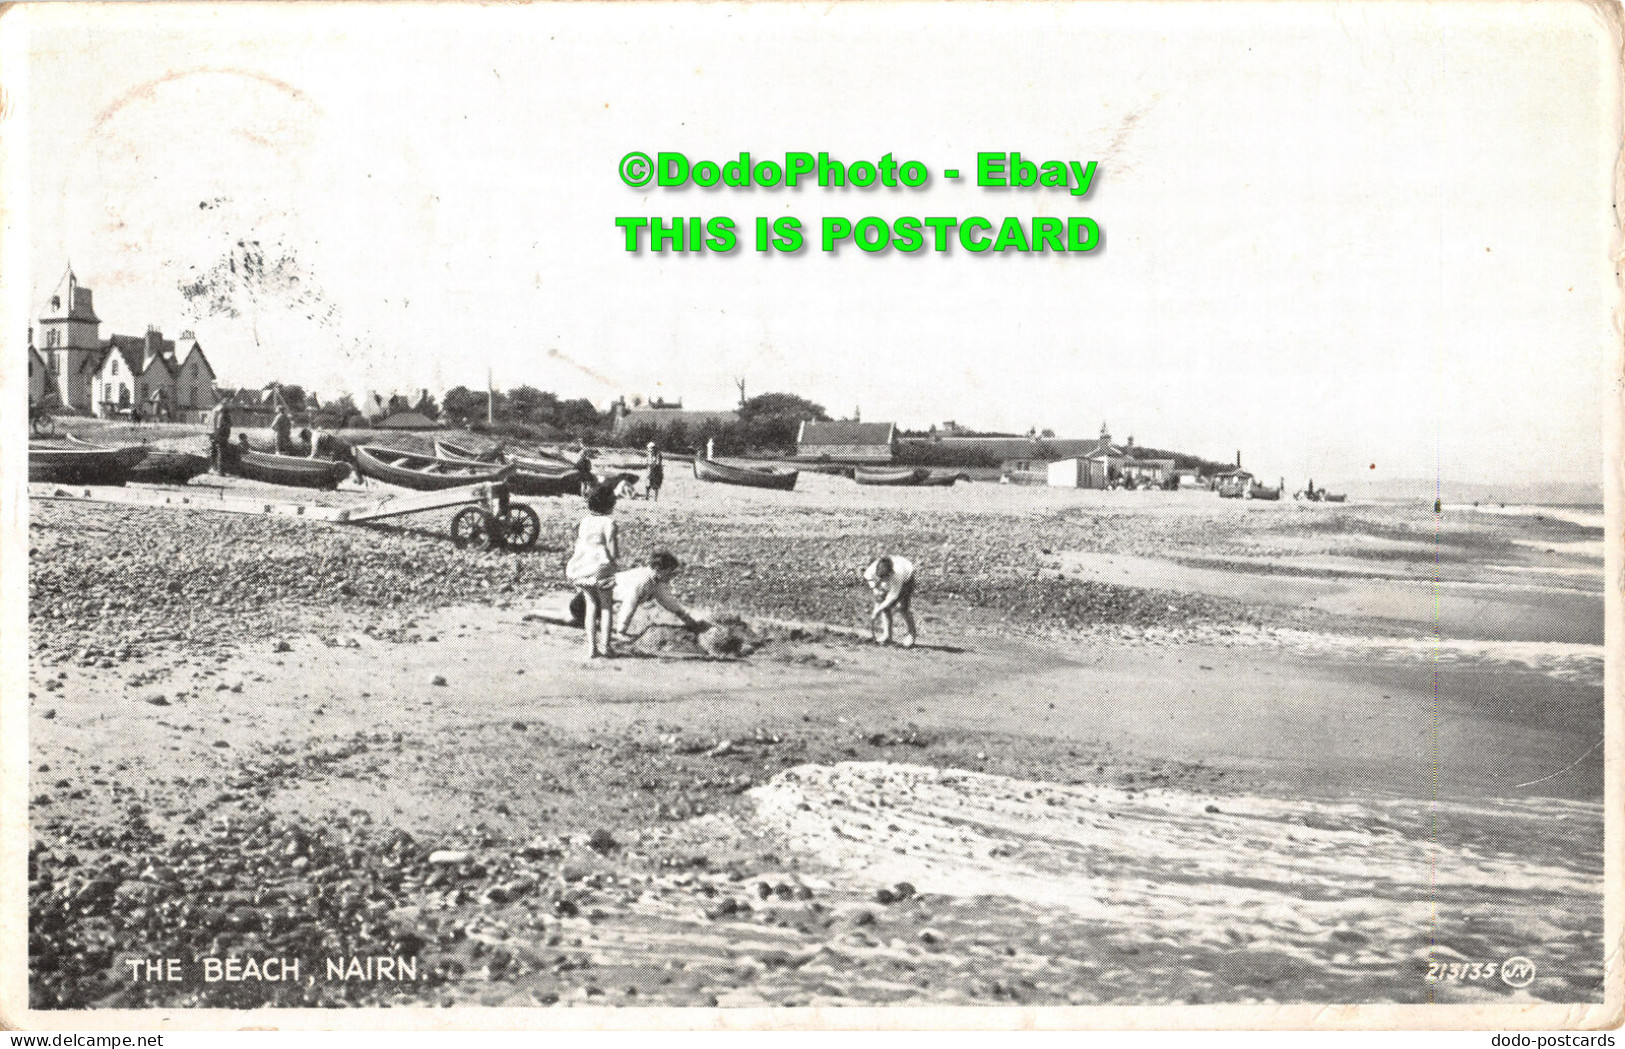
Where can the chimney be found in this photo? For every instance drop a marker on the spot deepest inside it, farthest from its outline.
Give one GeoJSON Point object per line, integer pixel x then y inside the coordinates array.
{"type": "Point", "coordinates": [149, 345]}
{"type": "Point", "coordinates": [1238, 458]}
{"type": "Point", "coordinates": [1130, 445]}
{"type": "Point", "coordinates": [188, 334]}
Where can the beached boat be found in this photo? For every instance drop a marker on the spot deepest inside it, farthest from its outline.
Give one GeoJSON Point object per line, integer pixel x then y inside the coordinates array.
{"type": "Point", "coordinates": [528, 476]}
{"type": "Point", "coordinates": [159, 466]}
{"type": "Point", "coordinates": [1258, 491]}
{"type": "Point", "coordinates": [423, 473]}
{"type": "Point", "coordinates": [543, 462]}
{"type": "Point", "coordinates": [761, 477]}
{"type": "Point", "coordinates": [943, 480]}
{"type": "Point", "coordinates": [61, 464]}
{"type": "Point", "coordinates": [1330, 498]}
{"type": "Point", "coordinates": [293, 471]}
{"type": "Point", "coordinates": [908, 476]}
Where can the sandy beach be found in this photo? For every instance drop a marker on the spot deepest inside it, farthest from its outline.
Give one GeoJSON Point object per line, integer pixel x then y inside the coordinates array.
{"type": "Point", "coordinates": [1153, 748]}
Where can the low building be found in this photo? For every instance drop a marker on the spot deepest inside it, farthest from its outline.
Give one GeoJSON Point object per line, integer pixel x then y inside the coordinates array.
{"type": "Point", "coordinates": [847, 441]}
{"type": "Point", "coordinates": [1077, 473]}
{"type": "Point", "coordinates": [1158, 472]}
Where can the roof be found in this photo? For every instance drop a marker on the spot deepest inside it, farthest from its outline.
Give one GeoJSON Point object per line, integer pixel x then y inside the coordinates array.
{"type": "Point", "coordinates": [1047, 449]}
{"type": "Point", "coordinates": [831, 434]}
{"type": "Point", "coordinates": [406, 421]}
{"type": "Point", "coordinates": [72, 301]}
{"type": "Point", "coordinates": [660, 418]}
{"type": "Point", "coordinates": [133, 348]}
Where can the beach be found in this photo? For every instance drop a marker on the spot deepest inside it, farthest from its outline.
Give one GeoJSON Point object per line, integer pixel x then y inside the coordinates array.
{"type": "Point", "coordinates": [1152, 748]}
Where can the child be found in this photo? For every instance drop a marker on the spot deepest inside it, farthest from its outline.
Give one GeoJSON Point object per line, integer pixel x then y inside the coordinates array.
{"type": "Point", "coordinates": [637, 585]}
{"type": "Point", "coordinates": [591, 569]}
{"type": "Point", "coordinates": [657, 473]}
{"type": "Point", "coordinates": [892, 580]}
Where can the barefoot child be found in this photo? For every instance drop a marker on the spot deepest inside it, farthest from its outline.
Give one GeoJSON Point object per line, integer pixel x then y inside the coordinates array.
{"type": "Point", "coordinates": [592, 566]}
{"type": "Point", "coordinates": [892, 580]}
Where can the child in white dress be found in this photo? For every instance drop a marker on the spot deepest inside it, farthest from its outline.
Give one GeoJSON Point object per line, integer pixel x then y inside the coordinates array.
{"type": "Point", "coordinates": [592, 567]}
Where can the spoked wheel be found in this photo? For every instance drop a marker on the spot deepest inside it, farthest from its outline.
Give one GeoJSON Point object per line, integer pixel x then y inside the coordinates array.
{"type": "Point", "coordinates": [474, 526]}
{"type": "Point", "coordinates": [520, 526]}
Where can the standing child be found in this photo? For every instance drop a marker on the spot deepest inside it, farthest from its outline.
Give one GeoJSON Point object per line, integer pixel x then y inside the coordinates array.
{"type": "Point", "coordinates": [592, 567]}
{"type": "Point", "coordinates": [892, 580]}
{"type": "Point", "coordinates": [657, 473]}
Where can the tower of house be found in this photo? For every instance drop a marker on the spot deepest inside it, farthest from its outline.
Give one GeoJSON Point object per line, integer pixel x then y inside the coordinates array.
{"type": "Point", "coordinates": [69, 340]}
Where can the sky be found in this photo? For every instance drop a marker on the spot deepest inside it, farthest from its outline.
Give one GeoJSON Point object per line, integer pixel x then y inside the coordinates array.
{"type": "Point", "coordinates": [1348, 240]}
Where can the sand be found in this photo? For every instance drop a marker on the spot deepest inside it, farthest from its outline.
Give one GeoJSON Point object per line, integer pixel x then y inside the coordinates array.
{"type": "Point", "coordinates": [1239, 800]}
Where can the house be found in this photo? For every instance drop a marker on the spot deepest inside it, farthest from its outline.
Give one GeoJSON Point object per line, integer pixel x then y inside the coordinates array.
{"type": "Point", "coordinates": [253, 408]}
{"type": "Point", "coordinates": [165, 379]}
{"type": "Point", "coordinates": [397, 411]}
{"type": "Point", "coordinates": [661, 416]}
{"type": "Point", "coordinates": [38, 373]}
{"type": "Point", "coordinates": [847, 441]}
{"type": "Point", "coordinates": [1232, 482]}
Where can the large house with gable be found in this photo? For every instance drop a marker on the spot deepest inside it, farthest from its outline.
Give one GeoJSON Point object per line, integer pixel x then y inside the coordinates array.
{"type": "Point", "coordinates": [162, 378]}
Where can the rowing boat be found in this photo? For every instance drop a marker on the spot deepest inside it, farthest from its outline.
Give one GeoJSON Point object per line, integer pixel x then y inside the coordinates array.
{"type": "Point", "coordinates": [292, 471]}
{"type": "Point", "coordinates": [54, 464]}
{"type": "Point", "coordinates": [905, 476]}
{"type": "Point", "coordinates": [159, 466]}
{"type": "Point", "coordinates": [423, 473]}
{"type": "Point", "coordinates": [763, 477]}
{"type": "Point", "coordinates": [527, 476]}
{"type": "Point", "coordinates": [545, 464]}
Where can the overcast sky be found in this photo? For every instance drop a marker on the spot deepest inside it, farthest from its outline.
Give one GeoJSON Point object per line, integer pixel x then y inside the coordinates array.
{"type": "Point", "coordinates": [1335, 235]}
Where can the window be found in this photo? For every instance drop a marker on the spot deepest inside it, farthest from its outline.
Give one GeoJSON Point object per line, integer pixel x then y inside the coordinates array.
{"type": "Point", "coordinates": [107, 391]}
{"type": "Point", "coordinates": [115, 365]}
{"type": "Point", "coordinates": [56, 302]}
{"type": "Point", "coordinates": [50, 337]}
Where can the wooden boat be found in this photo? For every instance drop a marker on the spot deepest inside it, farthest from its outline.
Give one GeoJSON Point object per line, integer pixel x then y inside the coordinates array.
{"type": "Point", "coordinates": [293, 471]}
{"type": "Point", "coordinates": [896, 476]}
{"type": "Point", "coordinates": [1258, 491]}
{"type": "Point", "coordinates": [762, 477]}
{"type": "Point", "coordinates": [56, 464]}
{"type": "Point", "coordinates": [1330, 498]}
{"type": "Point", "coordinates": [546, 463]}
{"type": "Point", "coordinates": [943, 480]}
{"type": "Point", "coordinates": [160, 465]}
{"type": "Point", "coordinates": [542, 479]}
{"type": "Point", "coordinates": [423, 473]}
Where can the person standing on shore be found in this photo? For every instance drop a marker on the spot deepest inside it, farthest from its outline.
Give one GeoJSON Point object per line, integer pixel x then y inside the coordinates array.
{"type": "Point", "coordinates": [892, 580]}
{"type": "Point", "coordinates": [657, 473]}
{"type": "Point", "coordinates": [219, 435]}
{"type": "Point", "coordinates": [592, 566]}
{"type": "Point", "coordinates": [282, 427]}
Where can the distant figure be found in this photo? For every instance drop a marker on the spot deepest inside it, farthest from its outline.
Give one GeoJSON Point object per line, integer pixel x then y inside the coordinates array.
{"type": "Point", "coordinates": [135, 414]}
{"type": "Point", "coordinates": [892, 580]}
{"type": "Point", "coordinates": [1438, 507]}
{"type": "Point", "coordinates": [282, 427]}
{"type": "Point", "coordinates": [710, 448]}
{"type": "Point", "coordinates": [584, 469]}
{"type": "Point", "coordinates": [321, 445]}
{"type": "Point", "coordinates": [657, 473]}
{"type": "Point", "coordinates": [219, 436]}
{"type": "Point", "coordinates": [592, 567]}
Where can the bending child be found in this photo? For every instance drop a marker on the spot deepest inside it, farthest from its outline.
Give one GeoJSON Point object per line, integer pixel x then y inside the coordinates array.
{"type": "Point", "coordinates": [635, 586]}
{"type": "Point", "coordinates": [892, 580]}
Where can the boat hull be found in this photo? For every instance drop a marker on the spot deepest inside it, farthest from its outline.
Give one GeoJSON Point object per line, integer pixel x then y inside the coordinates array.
{"type": "Point", "coordinates": [902, 478]}
{"type": "Point", "coordinates": [158, 466]}
{"type": "Point", "coordinates": [288, 470]}
{"type": "Point", "coordinates": [716, 473]}
{"type": "Point", "coordinates": [407, 470]}
{"type": "Point", "coordinates": [99, 466]}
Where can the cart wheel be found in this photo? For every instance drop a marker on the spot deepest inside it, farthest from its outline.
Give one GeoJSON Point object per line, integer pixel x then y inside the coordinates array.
{"type": "Point", "coordinates": [520, 526]}
{"type": "Point", "coordinates": [473, 526]}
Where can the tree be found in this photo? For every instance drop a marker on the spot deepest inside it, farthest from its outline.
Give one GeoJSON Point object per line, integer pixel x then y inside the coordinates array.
{"type": "Point", "coordinates": [782, 404]}
{"type": "Point", "coordinates": [462, 403]}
